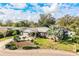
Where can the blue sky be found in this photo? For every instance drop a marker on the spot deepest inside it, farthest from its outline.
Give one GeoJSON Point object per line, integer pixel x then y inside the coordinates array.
{"type": "Point", "coordinates": [31, 11]}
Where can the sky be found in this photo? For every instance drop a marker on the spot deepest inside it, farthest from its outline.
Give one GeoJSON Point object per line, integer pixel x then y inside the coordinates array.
{"type": "Point", "coordinates": [32, 11]}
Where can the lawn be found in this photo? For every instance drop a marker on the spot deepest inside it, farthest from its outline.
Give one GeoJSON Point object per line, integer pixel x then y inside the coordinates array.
{"type": "Point", "coordinates": [2, 39]}
{"type": "Point", "coordinates": [66, 47]}
{"type": "Point", "coordinates": [77, 47]}
{"type": "Point", "coordinates": [43, 43]}
{"type": "Point", "coordinates": [47, 43]}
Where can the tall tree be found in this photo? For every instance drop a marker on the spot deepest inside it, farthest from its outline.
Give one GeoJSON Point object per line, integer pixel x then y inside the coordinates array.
{"type": "Point", "coordinates": [64, 21]}
{"type": "Point", "coordinates": [46, 20]}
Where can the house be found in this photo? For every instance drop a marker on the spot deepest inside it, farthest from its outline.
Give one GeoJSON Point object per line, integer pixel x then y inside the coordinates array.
{"type": "Point", "coordinates": [35, 32]}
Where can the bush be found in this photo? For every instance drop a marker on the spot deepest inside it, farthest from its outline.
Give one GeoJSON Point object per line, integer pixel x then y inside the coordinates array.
{"type": "Point", "coordinates": [36, 43]}
{"type": "Point", "coordinates": [16, 32]}
{"type": "Point", "coordinates": [32, 40]}
{"type": "Point", "coordinates": [9, 33]}
{"type": "Point", "coordinates": [31, 47]}
{"type": "Point", "coordinates": [11, 46]}
{"type": "Point", "coordinates": [1, 35]}
{"type": "Point", "coordinates": [16, 38]}
{"type": "Point", "coordinates": [75, 39]}
{"type": "Point", "coordinates": [12, 32]}
{"type": "Point", "coordinates": [77, 50]}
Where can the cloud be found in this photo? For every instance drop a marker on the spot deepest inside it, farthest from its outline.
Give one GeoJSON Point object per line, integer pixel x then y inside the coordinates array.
{"type": "Point", "coordinates": [31, 13]}
{"type": "Point", "coordinates": [18, 15]}
{"type": "Point", "coordinates": [18, 5]}
{"type": "Point", "coordinates": [67, 8]}
{"type": "Point", "coordinates": [51, 9]}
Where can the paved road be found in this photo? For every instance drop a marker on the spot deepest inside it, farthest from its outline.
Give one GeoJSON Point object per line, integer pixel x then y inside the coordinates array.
{"type": "Point", "coordinates": [35, 52]}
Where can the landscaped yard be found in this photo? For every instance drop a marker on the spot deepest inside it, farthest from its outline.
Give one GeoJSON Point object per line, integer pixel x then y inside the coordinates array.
{"type": "Point", "coordinates": [47, 43]}
{"type": "Point", "coordinates": [44, 43]}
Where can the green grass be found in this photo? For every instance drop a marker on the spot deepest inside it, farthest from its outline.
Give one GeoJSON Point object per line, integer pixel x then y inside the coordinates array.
{"type": "Point", "coordinates": [47, 43]}
{"type": "Point", "coordinates": [66, 47]}
{"type": "Point", "coordinates": [41, 41]}
{"type": "Point", "coordinates": [77, 46]}
{"type": "Point", "coordinates": [2, 39]}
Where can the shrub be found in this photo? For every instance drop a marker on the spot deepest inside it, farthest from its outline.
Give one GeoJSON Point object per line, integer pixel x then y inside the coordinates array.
{"type": "Point", "coordinates": [12, 32]}
{"type": "Point", "coordinates": [31, 47]}
{"type": "Point", "coordinates": [75, 39]}
{"type": "Point", "coordinates": [1, 35]}
{"type": "Point", "coordinates": [9, 33]}
{"type": "Point", "coordinates": [16, 32]}
{"type": "Point", "coordinates": [36, 43]}
{"type": "Point", "coordinates": [16, 38]}
{"type": "Point", "coordinates": [77, 50]}
{"type": "Point", "coordinates": [11, 46]}
{"type": "Point", "coordinates": [32, 40]}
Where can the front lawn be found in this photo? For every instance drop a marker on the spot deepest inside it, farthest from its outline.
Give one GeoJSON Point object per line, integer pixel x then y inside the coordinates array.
{"type": "Point", "coordinates": [2, 39]}
{"type": "Point", "coordinates": [43, 43]}
{"type": "Point", "coordinates": [77, 47]}
{"type": "Point", "coordinates": [47, 43]}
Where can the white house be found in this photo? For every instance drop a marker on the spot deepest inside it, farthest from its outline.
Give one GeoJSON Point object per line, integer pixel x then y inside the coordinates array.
{"type": "Point", "coordinates": [31, 33]}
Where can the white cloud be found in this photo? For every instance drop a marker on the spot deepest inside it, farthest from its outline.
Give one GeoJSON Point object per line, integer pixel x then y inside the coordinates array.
{"type": "Point", "coordinates": [51, 9]}
{"type": "Point", "coordinates": [18, 15]}
{"type": "Point", "coordinates": [18, 5]}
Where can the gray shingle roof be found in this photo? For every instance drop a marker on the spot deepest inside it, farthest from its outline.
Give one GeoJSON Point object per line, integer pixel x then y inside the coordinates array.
{"type": "Point", "coordinates": [37, 29]}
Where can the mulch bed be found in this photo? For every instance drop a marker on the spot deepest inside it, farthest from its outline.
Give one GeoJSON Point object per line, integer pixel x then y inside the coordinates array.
{"type": "Point", "coordinates": [24, 43]}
